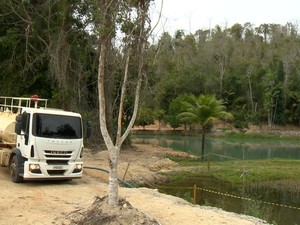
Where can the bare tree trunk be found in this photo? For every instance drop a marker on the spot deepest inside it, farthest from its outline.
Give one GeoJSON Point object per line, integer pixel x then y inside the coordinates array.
{"type": "Point", "coordinates": [109, 93]}
{"type": "Point", "coordinates": [222, 73]}
{"type": "Point", "coordinates": [221, 63]}
{"type": "Point", "coordinates": [113, 176]}
{"type": "Point", "coordinates": [114, 148]}
{"type": "Point", "coordinates": [250, 91]}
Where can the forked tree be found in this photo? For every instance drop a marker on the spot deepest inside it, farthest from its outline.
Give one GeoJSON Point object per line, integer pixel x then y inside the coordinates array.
{"type": "Point", "coordinates": [133, 19]}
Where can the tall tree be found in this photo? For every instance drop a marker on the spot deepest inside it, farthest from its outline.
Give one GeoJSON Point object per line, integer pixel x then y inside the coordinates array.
{"type": "Point", "coordinates": [204, 110]}
{"type": "Point", "coordinates": [136, 31]}
{"type": "Point", "coordinates": [280, 110]}
{"type": "Point", "coordinates": [48, 50]}
{"type": "Point", "coordinates": [221, 50]}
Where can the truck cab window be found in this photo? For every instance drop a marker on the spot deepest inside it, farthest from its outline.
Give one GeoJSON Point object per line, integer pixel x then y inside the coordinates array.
{"type": "Point", "coordinates": [57, 126]}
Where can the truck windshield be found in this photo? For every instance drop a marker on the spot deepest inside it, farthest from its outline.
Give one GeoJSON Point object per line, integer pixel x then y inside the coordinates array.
{"type": "Point", "coordinates": [56, 126]}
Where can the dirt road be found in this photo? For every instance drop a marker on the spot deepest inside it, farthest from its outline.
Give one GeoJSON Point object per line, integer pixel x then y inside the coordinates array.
{"type": "Point", "coordinates": [44, 202]}
{"type": "Point", "coordinates": [40, 203]}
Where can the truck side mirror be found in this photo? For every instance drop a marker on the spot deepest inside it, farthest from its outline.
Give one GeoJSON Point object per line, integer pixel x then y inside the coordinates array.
{"type": "Point", "coordinates": [88, 129]}
{"type": "Point", "coordinates": [18, 126]}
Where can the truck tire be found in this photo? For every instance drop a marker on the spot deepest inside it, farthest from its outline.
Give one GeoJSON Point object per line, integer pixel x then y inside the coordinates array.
{"type": "Point", "coordinates": [15, 169]}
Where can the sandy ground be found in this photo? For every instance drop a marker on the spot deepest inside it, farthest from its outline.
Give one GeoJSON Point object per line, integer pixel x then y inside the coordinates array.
{"type": "Point", "coordinates": [52, 202]}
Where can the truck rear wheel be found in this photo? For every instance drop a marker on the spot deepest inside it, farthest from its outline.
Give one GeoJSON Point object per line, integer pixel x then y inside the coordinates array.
{"type": "Point", "coordinates": [15, 169]}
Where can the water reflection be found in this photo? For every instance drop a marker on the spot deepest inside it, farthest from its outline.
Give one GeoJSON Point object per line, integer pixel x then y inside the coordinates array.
{"type": "Point", "coordinates": [256, 199]}
{"type": "Point", "coordinates": [249, 149]}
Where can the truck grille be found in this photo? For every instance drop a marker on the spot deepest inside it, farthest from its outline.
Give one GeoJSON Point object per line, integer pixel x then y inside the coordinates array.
{"type": "Point", "coordinates": [58, 154]}
{"type": "Point", "coordinates": [56, 172]}
{"type": "Point", "coordinates": [57, 162]}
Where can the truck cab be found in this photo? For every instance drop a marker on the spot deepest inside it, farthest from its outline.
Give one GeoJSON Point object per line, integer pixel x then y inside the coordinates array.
{"type": "Point", "coordinates": [47, 143]}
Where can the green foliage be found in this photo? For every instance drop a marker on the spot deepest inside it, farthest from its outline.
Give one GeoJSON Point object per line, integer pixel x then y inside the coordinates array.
{"type": "Point", "coordinates": [175, 108]}
{"type": "Point", "coordinates": [48, 48]}
{"type": "Point", "coordinates": [159, 115]}
{"type": "Point", "coordinates": [176, 105]}
{"type": "Point", "coordinates": [255, 208]}
{"type": "Point", "coordinates": [145, 117]}
{"type": "Point", "coordinates": [280, 98]}
{"type": "Point", "coordinates": [247, 62]}
{"type": "Point", "coordinates": [243, 118]}
{"type": "Point", "coordinates": [203, 110]}
{"type": "Point", "coordinates": [173, 121]}
{"type": "Point", "coordinates": [45, 49]}
{"type": "Point", "coordinates": [186, 196]}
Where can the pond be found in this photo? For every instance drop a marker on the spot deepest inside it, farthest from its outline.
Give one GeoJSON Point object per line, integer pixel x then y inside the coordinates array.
{"type": "Point", "coordinates": [257, 198]}
{"type": "Point", "coordinates": [248, 149]}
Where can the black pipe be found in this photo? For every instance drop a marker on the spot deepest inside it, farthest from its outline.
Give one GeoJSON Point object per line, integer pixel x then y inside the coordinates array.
{"type": "Point", "coordinates": [106, 171]}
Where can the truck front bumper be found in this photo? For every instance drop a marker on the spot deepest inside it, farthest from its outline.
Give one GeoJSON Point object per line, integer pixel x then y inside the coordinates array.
{"type": "Point", "coordinates": [40, 170]}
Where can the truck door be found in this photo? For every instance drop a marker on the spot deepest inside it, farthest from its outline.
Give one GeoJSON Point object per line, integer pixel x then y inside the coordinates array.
{"type": "Point", "coordinates": [25, 127]}
{"type": "Point", "coordinates": [25, 134]}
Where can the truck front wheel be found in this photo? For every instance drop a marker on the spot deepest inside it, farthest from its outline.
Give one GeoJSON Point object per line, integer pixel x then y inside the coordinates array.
{"type": "Point", "coordinates": [15, 169]}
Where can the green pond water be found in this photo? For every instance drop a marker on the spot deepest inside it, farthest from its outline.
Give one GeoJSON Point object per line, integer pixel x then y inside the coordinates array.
{"type": "Point", "coordinates": [236, 148]}
{"type": "Point", "coordinates": [222, 149]}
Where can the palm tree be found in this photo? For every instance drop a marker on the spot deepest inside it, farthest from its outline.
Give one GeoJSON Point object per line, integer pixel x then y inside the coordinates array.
{"type": "Point", "coordinates": [204, 110]}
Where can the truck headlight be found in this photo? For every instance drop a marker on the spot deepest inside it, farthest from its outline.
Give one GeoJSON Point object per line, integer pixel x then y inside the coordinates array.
{"type": "Point", "coordinates": [78, 167]}
{"type": "Point", "coordinates": [34, 168]}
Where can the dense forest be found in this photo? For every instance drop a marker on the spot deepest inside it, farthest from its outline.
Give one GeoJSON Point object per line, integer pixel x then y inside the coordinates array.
{"type": "Point", "coordinates": [51, 48]}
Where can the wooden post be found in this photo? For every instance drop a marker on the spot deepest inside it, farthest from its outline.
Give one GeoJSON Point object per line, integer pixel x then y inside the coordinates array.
{"type": "Point", "coordinates": [208, 162]}
{"type": "Point", "coordinates": [126, 170]}
{"type": "Point", "coordinates": [195, 194]}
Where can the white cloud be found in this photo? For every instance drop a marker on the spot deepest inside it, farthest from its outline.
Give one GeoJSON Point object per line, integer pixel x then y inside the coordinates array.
{"type": "Point", "coordinates": [191, 15]}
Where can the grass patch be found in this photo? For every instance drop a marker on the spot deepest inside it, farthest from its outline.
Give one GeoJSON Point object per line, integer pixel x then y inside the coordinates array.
{"type": "Point", "coordinates": [183, 158]}
{"type": "Point", "coordinates": [239, 171]}
{"type": "Point", "coordinates": [256, 170]}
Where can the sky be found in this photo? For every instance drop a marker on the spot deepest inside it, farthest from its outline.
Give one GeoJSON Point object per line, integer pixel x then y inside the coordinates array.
{"type": "Point", "coordinates": [191, 15]}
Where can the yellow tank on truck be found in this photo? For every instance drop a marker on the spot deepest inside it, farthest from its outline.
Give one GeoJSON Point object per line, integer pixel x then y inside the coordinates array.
{"type": "Point", "coordinates": [7, 127]}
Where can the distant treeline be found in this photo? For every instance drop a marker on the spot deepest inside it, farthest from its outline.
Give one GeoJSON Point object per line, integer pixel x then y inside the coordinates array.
{"type": "Point", "coordinates": [50, 48]}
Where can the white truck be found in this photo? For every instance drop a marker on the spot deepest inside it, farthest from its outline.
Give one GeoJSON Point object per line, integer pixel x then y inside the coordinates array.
{"type": "Point", "coordinates": [37, 142]}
